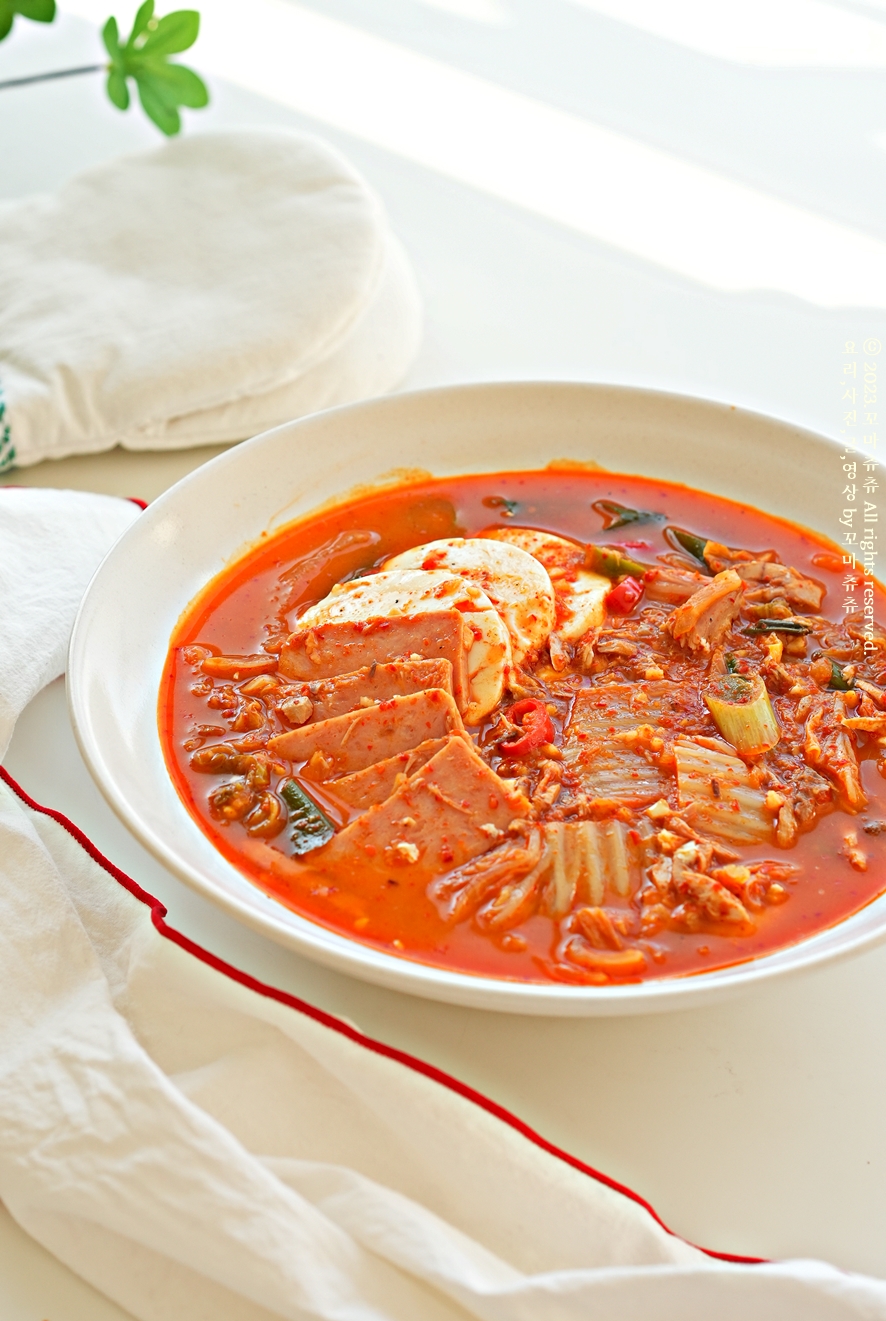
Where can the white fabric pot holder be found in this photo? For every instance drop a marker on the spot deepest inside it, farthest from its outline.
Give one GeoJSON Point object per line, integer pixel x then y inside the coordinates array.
{"type": "Point", "coordinates": [196, 294]}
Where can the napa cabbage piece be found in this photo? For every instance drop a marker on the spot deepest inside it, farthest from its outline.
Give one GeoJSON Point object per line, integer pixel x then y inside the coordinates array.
{"type": "Point", "coordinates": [584, 859]}
{"type": "Point", "coordinates": [603, 746]}
{"type": "Point", "coordinates": [562, 863]}
{"type": "Point", "coordinates": [721, 791]}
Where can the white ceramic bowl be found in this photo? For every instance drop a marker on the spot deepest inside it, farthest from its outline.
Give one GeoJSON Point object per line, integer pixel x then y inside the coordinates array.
{"type": "Point", "coordinates": [189, 534]}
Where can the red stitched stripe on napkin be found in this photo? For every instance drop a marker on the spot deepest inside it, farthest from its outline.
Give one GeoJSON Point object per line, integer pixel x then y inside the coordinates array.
{"type": "Point", "coordinates": [158, 917]}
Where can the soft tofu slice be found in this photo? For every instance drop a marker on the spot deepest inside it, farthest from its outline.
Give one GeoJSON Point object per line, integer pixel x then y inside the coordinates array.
{"type": "Point", "coordinates": [329, 650]}
{"type": "Point", "coordinates": [337, 747]}
{"type": "Point", "coordinates": [515, 581]}
{"type": "Point", "coordinates": [581, 594]}
{"type": "Point", "coordinates": [409, 591]}
{"type": "Point", "coordinates": [376, 783]}
{"type": "Point", "coordinates": [374, 683]}
{"type": "Point", "coordinates": [452, 809]}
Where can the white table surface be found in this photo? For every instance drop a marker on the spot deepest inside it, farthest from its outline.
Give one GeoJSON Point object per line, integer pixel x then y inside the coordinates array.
{"type": "Point", "coordinates": [753, 1127]}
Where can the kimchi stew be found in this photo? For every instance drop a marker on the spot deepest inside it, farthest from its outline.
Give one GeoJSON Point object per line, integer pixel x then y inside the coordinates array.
{"type": "Point", "coordinates": [545, 725]}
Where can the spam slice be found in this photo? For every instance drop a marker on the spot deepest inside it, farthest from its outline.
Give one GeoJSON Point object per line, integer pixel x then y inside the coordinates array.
{"type": "Point", "coordinates": [377, 782]}
{"type": "Point", "coordinates": [372, 683]}
{"type": "Point", "coordinates": [452, 809]}
{"type": "Point", "coordinates": [329, 650]}
{"type": "Point", "coordinates": [330, 749]}
{"type": "Point", "coordinates": [410, 591]}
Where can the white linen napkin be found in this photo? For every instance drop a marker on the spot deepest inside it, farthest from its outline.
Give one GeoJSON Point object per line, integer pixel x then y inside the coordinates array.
{"type": "Point", "coordinates": [202, 1148]}
{"type": "Point", "coordinates": [197, 293]}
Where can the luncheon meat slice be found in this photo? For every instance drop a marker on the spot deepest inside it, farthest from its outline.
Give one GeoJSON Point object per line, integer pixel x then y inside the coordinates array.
{"type": "Point", "coordinates": [327, 698]}
{"type": "Point", "coordinates": [377, 782]}
{"type": "Point", "coordinates": [452, 809]}
{"type": "Point", "coordinates": [344, 744]}
{"type": "Point", "coordinates": [328, 650]}
{"type": "Point", "coordinates": [701, 622]}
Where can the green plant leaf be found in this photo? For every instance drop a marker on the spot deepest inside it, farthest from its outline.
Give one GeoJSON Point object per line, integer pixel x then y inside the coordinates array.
{"type": "Point", "coordinates": [117, 89]}
{"type": "Point", "coordinates": [157, 108]}
{"type": "Point", "coordinates": [39, 11]}
{"type": "Point", "coordinates": [172, 34]}
{"type": "Point", "coordinates": [111, 38]}
{"type": "Point", "coordinates": [162, 87]}
{"type": "Point", "coordinates": [142, 19]}
{"type": "Point", "coordinates": [179, 85]}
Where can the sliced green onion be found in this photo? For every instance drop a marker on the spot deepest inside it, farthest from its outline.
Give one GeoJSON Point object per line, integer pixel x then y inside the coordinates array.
{"type": "Point", "coordinates": [621, 515]}
{"type": "Point", "coordinates": [311, 827]}
{"type": "Point", "coordinates": [743, 712]}
{"type": "Point", "coordinates": [507, 507]}
{"type": "Point", "coordinates": [730, 662]}
{"type": "Point", "coordinates": [611, 564]}
{"type": "Point", "coordinates": [838, 679]}
{"type": "Point", "coordinates": [693, 544]}
{"type": "Point", "coordinates": [796, 626]}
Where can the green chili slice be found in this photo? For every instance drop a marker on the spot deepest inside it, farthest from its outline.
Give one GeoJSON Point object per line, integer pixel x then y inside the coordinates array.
{"type": "Point", "coordinates": [617, 515]}
{"type": "Point", "coordinates": [611, 564]}
{"type": "Point", "coordinates": [311, 827]}
{"type": "Point", "coordinates": [794, 626]}
{"type": "Point", "coordinates": [693, 544]}
{"type": "Point", "coordinates": [507, 507]}
{"type": "Point", "coordinates": [838, 679]}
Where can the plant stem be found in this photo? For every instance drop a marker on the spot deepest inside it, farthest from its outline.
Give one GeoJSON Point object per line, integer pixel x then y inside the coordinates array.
{"type": "Point", "coordinates": [47, 77]}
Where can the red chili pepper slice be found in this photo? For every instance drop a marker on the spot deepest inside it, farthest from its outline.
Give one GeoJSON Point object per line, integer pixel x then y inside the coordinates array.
{"type": "Point", "coordinates": [532, 716]}
{"type": "Point", "coordinates": [622, 599]}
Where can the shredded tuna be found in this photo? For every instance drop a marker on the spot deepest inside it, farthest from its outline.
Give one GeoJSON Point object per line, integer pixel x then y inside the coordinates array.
{"type": "Point", "coordinates": [696, 887]}
{"type": "Point", "coordinates": [462, 891]}
{"type": "Point", "coordinates": [771, 581]}
{"type": "Point", "coordinates": [702, 621]}
{"type": "Point", "coordinates": [672, 585]}
{"type": "Point", "coordinates": [828, 748]}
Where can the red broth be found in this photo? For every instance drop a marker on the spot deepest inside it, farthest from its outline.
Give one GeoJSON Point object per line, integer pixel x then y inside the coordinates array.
{"type": "Point", "coordinates": [252, 605]}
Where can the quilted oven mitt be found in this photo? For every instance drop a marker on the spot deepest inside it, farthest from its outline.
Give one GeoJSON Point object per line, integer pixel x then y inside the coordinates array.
{"type": "Point", "coordinates": [195, 294]}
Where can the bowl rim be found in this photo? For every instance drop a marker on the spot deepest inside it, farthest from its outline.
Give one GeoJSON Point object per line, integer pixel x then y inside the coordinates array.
{"type": "Point", "coordinates": [351, 956]}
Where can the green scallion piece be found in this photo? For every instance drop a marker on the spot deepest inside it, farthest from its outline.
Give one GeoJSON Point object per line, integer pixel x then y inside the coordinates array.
{"type": "Point", "coordinates": [795, 626]}
{"type": "Point", "coordinates": [310, 826]}
{"type": "Point", "coordinates": [693, 544]}
{"type": "Point", "coordinates": [743, 712]}
{"type": "Point", "coordinates": [622, 515]}
{"type": "Point", "coordinates": [611, 564]}
{"type": "Point", "coordinates": [838, 679]}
